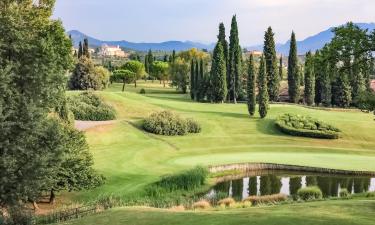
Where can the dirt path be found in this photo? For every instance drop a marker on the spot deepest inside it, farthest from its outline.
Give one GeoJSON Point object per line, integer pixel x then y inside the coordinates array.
{"type": "Point", "coordinates": [85, 125]}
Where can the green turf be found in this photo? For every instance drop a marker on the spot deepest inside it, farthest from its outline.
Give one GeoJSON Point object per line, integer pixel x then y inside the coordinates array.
{"type": "Point", "coordinates": [347, 212]}
{"type": "Point", "coordinates": [130, 158]}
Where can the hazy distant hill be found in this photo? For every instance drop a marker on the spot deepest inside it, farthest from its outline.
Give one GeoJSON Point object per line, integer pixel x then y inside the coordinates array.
{"type": "Point", "coordinates": [311, 43]}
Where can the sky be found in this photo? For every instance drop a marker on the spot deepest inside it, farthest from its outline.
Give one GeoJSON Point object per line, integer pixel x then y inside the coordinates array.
{"type": "Point", "coordinates": [198, 20]}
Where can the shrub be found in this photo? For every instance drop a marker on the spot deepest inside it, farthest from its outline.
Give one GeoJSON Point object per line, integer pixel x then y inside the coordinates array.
{"type": "Point", "coordinates": [142, 91]}
{"type": "Point", "coordinates": [305, 126]}
{"type": "Point", "coordinates": [344, 193]}
{"type": "Point", "coordinates": [309, 193]}
{"type": "Point", "coordinates": [187, 180]}
{"type": "Point", "coordinates": [370, 194]}
{"type": "Point", "coordinates": [227, 202]}
{"type": "Point", "coordinates": [266, 199]}
{"type": "Point", "coordinates": [202, 204]}
{"type": "Point", "coordinates": [88, 106]}
{"type": "Point", "coordinates": [109, 201]}
{"type": "Point", "coordinates": [170, 124]}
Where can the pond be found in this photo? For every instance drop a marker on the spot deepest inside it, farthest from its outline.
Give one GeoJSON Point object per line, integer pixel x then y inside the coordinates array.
{"type": "Point", "coordinates": [262, 183]}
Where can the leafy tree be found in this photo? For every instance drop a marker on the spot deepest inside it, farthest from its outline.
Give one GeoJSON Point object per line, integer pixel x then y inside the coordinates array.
{"type": "Point", "coordinates": [160, 70]}
{"type": "Point", "coordinates": [34, 57]}
{"type": "Point", "coordinates": [180, 74]}
{"type": "Point", "coordinates": [293, 73]}
{"type": "Point", "coordinates": [104, 76]}
{"type": "Point", "coordinates": [273, 78]}
{"type": "Point", "coordinates": [192, 79]}
{"type": "Point", "coordinates": [84, 76]}
{"type": "Point", "coordinates": [193, 54]}
{"type": "Point", "coordinates": [263, 92]}
{"type": "Point", "coordinates": [251, 96]}
{"type": "Point", "coordinates": [309, 92]}
{"type": "Point", "coordinates": [234, 63]}
{"type": "Point", "coordinates": [218, 75]}
{"type": "Point", "coordinates": [137, 68]}
{"type": "Point", "coordinates": [125, 76]}
{"type": "Point", "coordinates": [366, 101]}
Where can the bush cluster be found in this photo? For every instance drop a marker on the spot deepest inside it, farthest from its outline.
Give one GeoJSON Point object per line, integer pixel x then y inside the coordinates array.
{"type": "Point", "coordinates": [344, 193]}
{"type": "Point", "coordinates": [310, 193]}
{"type": "Point", "coordinates": [170, 124]}
{"type": "Point", "coordinates": [88, 106]}
{"type": "Point", "coordinates": [305, 126]}
{"type": "Point", "coordinates": [266, 199]}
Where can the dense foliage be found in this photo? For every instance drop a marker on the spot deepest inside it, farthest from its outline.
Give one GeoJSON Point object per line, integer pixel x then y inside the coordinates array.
{"type": "Point", "coordinates": [273, 77]}
{"type": "Point", "coordinates": [137, 68]}
{"type": "Point", "coordinates": [293, 72]}
{"type": "Point", "coordinates": [263, 90]}
{"type": "Point", "coordinates": [234, 63]}
{"type": "Point", "coordinates": [90, 107]}
{"type": "Point", "coordinates": [297, 125]}
{"type": "Point", "coordinates": [309, 92]}
{"type": "Point", "coordinates": [218, 75]}
{"type": "Point", "coordinates": [170, 124]}
{"type": "Point", "coordinates": [310, 193]}
{"type": "Point", "coordinates": [123, 76]}
{"type": "Point", "coordinates": [251, 96]}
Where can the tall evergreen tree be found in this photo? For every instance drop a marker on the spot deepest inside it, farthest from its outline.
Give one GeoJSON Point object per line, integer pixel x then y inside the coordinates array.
{"type": "Point", "coordinates": [80, 50]}
{"type": "Point", "coordinates": [326, 88]}
{"type": "Point", "coordinates": [192, 80]}
{"type": "Point", "coordinates": [293, 73]}
{"type": "Point", "coordinates": [263, 92]}
{"type": "Point", "coordinates": [309, 93]}
{"type": "Point", "coordinates": [85, 50]}
{"type": "Point", "coordinates": [273, 78]}
{"type": "Point", "coordinates": [234, 63]}
{"type": "Point", "coordinates": [281, 75]}
{"type": "Point", "coordinates": [196, 81]}
{"type": "Point", "coordinates": [201, 85]}
{"type": "Point", "coordinates": [222, 39]}
{"type": "Point", "coordinates": [218, 90]}
{"type": "Point", "coordinates": [251, 96]}
{"type": "Point", "coordinates": [147, 66]}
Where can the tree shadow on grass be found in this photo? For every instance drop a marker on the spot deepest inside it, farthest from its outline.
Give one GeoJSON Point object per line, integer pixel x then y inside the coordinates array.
{"type": "Point", "coordinates": [267, 126]}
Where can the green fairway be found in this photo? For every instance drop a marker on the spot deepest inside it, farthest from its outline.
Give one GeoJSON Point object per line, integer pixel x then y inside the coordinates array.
{"type": "Point", "coordinates": [131, 158]}
{"type": "Point", "coordinates": [332, 212]}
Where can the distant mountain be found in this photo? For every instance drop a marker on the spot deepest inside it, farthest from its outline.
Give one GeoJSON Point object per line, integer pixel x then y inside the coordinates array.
{"type": "Point", "coordinates": [78, 36]}
{"type": "Point", "coordinates": [312, 43]}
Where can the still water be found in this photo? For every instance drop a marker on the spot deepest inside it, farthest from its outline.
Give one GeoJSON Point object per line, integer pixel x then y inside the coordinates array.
{"type": "Point", "coordinates": [275, 182]}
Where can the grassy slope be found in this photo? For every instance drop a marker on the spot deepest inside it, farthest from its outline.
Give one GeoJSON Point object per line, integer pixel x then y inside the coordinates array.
{"type": "Point", "coordinates": [332, 212]}
{"type": "Point", "coordinates": [130, 159]}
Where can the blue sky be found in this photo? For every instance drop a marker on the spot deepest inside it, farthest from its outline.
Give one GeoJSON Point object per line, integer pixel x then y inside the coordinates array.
{"type": "Point", "coordinates": [197, 20]}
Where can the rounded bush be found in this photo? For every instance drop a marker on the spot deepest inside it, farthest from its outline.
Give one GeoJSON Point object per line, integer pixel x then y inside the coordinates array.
{"type": "Point", "coordinates": [142, 91]}
{"type": "Point", "coordinates": [310, 193]}
{"type": "Point", "coordinates": [170, 124]}
{"type": "Point", "coordinates": [88, 106]}
{"type": "Point", "coordinates": [344, 193]}
{"type": "Point", "coordinates": [305, 126]}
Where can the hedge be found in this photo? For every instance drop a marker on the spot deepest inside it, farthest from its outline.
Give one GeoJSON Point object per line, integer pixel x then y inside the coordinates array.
{"type": "Point", "coordinates": [304, 126]}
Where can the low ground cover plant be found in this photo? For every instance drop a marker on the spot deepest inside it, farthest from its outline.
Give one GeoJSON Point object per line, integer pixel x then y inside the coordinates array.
{"type": "Point", "coordinates": [305, 126]}
{"type": "Point", "coordinates": [266, 199]}
{"type": "Point", "coordinates": [170, 124]}
{"type": "Point", "coordinates": [90, 107]}
{"type": "Point", "coordinates": [309, 193]}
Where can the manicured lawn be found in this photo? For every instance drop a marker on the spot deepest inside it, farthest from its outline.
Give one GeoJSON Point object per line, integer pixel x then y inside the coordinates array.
{"type": "Point", "coordinates": [131, 159]}
{"type": "Point", "coordinates": [328, 212]}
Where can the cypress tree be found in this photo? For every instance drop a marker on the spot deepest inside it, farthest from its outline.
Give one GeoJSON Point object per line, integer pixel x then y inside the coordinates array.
{"type": "Point", "coordinates": [192, 75]}
{"type": "Point", "coordinates": [147, 66]}
{"type": "Point", "coordinates": [273, 81]}
{"type": "Point", "coordinates": [234, 61]}
{"type": "Point", "coordinates": [218, 75]}
{"type": "Point", "coordinates": [309, 93]}
{"type": "Point", "coordinates": [80, 50]}
{"type": "Point", "coordinates": [263, 92]}
{"type": "Point", "coordinates": [86, 51]}
{"type": "Point", "coordinates": [326, 94]}
{"type": "Point", "coordinates": [251, 98]}
{"type": "Point", "coordinates": [196, 80]}
{"type": "Point", "coordinates": [201, 85]}
{"type": "Point", "coordinates": [281, 68]}
{"type": "Point", "coordinates": [293, 73]}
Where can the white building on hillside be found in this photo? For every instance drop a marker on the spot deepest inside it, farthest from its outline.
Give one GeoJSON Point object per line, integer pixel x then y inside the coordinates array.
{"type": "Point", "coordinates": [106, 50]}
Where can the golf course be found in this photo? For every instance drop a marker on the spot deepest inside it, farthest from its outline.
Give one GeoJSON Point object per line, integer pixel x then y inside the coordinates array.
{"type": "Point", "coordinates": [131, 159]}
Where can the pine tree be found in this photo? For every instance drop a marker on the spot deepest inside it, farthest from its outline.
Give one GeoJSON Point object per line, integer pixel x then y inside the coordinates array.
{"type": "Point", "coordinates": [309, 93]}
{"type": "Point", "coordinates": [80, 50]}
{"type": "Point", "coordinates": [281, 75]}
{"type": "Point", "coordinates": [218, 75]}
{"type": "Point", "coordinates": [234, 61]}
{"type": "Point", "coordinates": [251, 98]}
{"type": "Point", "coordinates": [263, 92]}
{"type": "Point", "coordinates": [85, 49]}
{"type": "Point", "coordinates": [196, 80]}
{"type": "Point", "coordinates": [273, 78]}
{"type": "Point", "coordinates": [293, 73]}
{"type": "Point", "coordinates": [192, 83]}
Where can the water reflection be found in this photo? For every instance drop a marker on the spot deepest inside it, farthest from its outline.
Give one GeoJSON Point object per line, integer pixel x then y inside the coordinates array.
{"type": "Point", "coordinates": [271, 182]}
